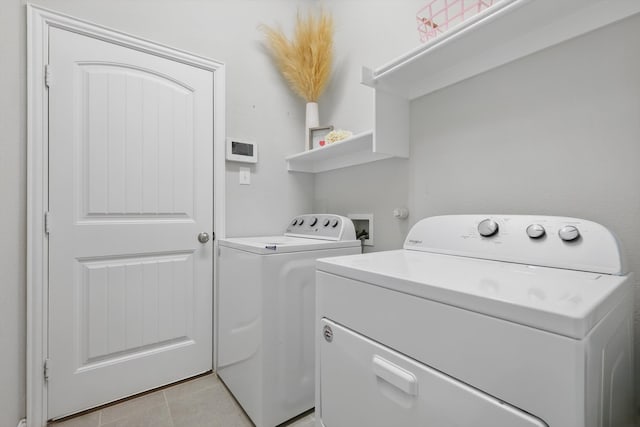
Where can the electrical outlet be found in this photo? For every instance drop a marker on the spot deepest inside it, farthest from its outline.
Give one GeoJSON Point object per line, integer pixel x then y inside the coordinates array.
{"type": "Point", "coordinates": [245, 176]}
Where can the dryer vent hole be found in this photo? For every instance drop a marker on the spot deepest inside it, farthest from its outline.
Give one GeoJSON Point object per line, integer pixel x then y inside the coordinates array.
{"type": "Point", "coordinates": [362, 230]}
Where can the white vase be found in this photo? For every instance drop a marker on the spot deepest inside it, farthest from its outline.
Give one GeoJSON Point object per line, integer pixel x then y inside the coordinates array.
{"type": "Point", "coordinates": [312, 120]}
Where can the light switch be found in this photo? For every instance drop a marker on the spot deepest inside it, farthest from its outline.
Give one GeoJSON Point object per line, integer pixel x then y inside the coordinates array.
{"type": "Point", "coordinates": [245, 176]}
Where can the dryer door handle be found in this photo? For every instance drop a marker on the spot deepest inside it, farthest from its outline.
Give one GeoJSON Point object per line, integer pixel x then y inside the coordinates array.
{"type": "Point", "coordinates": [395, 375]}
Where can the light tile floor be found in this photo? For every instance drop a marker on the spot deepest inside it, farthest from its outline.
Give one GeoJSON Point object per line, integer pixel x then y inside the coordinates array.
{"type": "Point", "coordinates": [202, 402]}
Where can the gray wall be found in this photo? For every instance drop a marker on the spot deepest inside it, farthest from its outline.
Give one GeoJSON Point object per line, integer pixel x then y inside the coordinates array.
{"type": "Point", "coordinates": [12, 212]}
{"type": "Point", "coordinates": [556, 133]}
{"type": "Point", "coordinates": [375, 188]}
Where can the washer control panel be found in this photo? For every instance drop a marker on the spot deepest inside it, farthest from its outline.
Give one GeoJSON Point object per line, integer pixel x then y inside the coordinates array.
{"type": "Point", "coordinates": [550, 241]}
{"type": "Point", "coordinates": [321, 226]}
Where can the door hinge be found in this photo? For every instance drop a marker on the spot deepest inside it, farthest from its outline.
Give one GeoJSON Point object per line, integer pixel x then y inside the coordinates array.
{"type": "Point", "coordinates": [47, 222]}
{"type": "Point", "coordinates": [46, 369]}
{"type": "Point", "coordinates": [47, 75]}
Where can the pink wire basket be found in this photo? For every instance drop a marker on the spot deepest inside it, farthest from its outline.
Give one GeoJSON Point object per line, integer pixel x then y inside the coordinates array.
{"type": "Point", "coordinates": [438, 16]}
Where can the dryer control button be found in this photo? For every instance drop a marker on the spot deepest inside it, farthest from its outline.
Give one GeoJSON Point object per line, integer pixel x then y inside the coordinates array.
{"type": "Point", "coordinates": [535, 231]}
{"type": "Point", "coordinates": [569, 233]}
{"type": "Point", "coordinates": [488, 227]}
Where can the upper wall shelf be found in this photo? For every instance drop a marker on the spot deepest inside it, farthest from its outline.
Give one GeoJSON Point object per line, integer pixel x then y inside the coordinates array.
{"type": "Point", "coordinates": [500, 34]}
{"type": "Point", "coordinates": [358, 149]}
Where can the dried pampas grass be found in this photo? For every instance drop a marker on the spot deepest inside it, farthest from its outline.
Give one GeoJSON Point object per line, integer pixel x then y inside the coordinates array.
{"type": "Point", "coordinates": [306, 61]}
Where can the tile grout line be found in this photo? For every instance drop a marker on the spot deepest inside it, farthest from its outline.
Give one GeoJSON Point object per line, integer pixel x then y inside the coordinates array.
{"type": "Point", "coordinates": [166, 402]}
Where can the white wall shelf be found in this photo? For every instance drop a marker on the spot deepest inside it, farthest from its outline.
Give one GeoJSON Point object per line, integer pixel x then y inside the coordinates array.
{"type": "Point", "coordinates": [505, 32]}
{"type": "Point", "coordinates": [508, 30]}
{"type": "Point", "coordinates": [359, 149]}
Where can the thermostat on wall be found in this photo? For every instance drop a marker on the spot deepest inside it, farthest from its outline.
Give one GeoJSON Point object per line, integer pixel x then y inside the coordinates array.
{"type": "Point", "coordinates": [242, 151]}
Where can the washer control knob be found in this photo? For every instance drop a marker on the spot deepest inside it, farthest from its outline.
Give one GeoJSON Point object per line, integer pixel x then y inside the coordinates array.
{"type": "Point", "coordinates": [487, 227]}
{"type": "Point", "coordinates": [569, 233]}
{"type": "Point", "coordinates": [535, 231]}
{"type": "Point", "coordinates": [300, 222]}
{"type": "Point", "coordinates": [294, 222]}
{"type": "Point", "coordinates": [334, 223]}
{"type": "Point", "coordinates": [314, 221]}
{"type": "Point", "coordinates": [326, 222]}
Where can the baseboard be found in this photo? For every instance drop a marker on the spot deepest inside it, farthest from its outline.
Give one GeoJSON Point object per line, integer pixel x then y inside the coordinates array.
{"type": "Point", "coordinates": [22, 423]}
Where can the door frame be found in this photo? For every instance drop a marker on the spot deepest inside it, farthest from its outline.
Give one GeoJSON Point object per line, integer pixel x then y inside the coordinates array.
{"type": "Point", "coordinates": [39, 21]}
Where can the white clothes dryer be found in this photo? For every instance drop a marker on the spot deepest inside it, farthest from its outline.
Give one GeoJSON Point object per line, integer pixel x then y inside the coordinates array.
{"type": "Point", "coordinates": [498, 321]}
{"type": "Point", "coordinates": [266, 306]}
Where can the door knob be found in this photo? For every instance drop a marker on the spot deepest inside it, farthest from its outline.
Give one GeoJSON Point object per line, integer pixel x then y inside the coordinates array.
{"type": "Point", "coordinates": [203, 237]}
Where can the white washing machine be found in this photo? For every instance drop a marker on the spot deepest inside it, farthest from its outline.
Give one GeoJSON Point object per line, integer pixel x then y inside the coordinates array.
{"type": "Point", "coordinates": [266, 306]}
{"type": "Point", "coordinates": [498, 321]}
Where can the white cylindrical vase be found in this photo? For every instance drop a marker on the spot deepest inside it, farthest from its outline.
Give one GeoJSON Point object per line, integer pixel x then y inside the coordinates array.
{"type": "Point", "coordinates": [312, 120]}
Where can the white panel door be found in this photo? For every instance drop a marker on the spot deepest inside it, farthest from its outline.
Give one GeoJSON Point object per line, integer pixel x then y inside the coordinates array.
{"type": "Point", "coordinates": [131, 187]}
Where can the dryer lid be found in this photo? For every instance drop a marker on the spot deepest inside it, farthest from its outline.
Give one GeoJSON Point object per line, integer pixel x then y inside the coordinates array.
{"type": "Point", "coordinates": [564, 302]}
